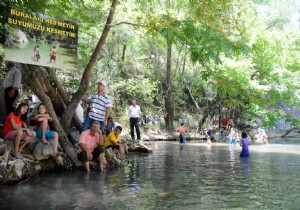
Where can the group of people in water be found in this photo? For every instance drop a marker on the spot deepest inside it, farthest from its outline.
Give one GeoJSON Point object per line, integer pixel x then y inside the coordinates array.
{"type": "Point", "coordinates": [232, 136]}
{"type": "Point", "coordinates": [37, 53]}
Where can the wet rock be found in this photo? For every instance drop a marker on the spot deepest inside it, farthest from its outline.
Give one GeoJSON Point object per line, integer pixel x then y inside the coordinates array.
{"type": "Point", "coordinates": [112, 157]}
{"type": "Point", "coordinates": [138, 147]}
{"type": "Point", "coordinates": [43, 151]}
{"type": "Point", "coordinates": [18, 167]}
{"type": "Point", "coordinates": [32, 144]}
{"type": "Point", "coordinates": [59, 161]}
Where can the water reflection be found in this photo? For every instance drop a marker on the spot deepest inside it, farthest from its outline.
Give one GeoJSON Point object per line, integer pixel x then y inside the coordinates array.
{"type": "Point", "coordinates": [181, 158]}
{"type": "Point", "coordinates": [245, 163]}
{"type": "Point", "coordinates": [193, 176]}
{"type": "Point", "coordinates": [232, 149]}
{"type": "Point", "coordinates": [208, 155]}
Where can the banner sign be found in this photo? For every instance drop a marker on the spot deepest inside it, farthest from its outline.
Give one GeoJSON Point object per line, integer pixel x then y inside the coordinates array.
{"type": "Point", "coordinates": [38, 39]}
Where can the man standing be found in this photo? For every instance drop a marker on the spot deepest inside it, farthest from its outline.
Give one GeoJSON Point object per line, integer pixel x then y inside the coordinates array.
{"type": "Point", "coordinates": [91, 146]}
{"type": "Point", "coordinates": [11, 84]}
{"type": "Point", "coordinates": [99, 107]}
{"type": "Point", "coordinates": [134, 112]}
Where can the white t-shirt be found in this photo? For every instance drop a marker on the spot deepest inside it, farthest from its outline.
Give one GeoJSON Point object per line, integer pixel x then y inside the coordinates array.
{"type": "Point", "coordinates": [134, 111]}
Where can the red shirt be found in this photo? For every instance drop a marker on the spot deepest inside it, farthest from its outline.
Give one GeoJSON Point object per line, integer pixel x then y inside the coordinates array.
{"type": "Point", "coordinates": [224, 122]}
{"type": "Point", "coordinates": [8, 126]}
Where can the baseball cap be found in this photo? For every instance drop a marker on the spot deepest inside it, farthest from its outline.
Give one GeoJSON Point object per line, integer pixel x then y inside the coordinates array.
{"type": "Point", "coordinates": [102, 82]}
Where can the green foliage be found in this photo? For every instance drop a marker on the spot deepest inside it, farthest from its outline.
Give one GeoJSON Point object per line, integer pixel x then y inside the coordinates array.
{"type": "Point", "coordinates": [140, 88]}
{"type": "Point", "coordinates": [229, 49]}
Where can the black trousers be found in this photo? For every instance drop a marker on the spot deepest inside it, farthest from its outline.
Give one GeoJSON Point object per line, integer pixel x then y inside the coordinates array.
{"type": "Point", "coordinates": [9, 102]}
{"type": "Point", "coordinates": [82, 156]}
{"type": "Point", "coordinates": [134, 122]}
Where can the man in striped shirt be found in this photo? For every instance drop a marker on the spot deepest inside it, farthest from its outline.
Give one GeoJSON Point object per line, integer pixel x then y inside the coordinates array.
{"type": "Point", "coordinates": [99, 107]}
{"type": "Point", "coordinates": [11, 85]}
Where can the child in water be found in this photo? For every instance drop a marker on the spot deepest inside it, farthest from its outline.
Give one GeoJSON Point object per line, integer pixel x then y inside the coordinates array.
{"type": "Point", "coordinates": [245, 144]}
{"type": "Point", "coordinates": [209, 135]}
{"type": "Point", "coordinates": [182, 131]}
{"type": "Point", "coordinates": [37, 53]}
{"type": "Point", "coordinates": [43, 129]}
{"type": "Point", "coordinates": [53, 53]}
{"type": "Point", "coordinates": [232, 136]}
{"type": "Point", "coordinates": [34, 50]}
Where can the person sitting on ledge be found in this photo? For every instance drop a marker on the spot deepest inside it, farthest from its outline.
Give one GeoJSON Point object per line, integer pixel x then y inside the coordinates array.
{"type": "Point", "coordinates": [113, 141]}
{"type": "Point", "coordinates": [15, 129]}
{"type": "Point", "coordinates": [91, 146]}
{"type": "Point", "coordinates": [43, 129]}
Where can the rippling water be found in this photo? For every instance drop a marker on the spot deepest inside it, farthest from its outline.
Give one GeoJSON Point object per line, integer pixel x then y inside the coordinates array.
{"type": "Point", "coordinates": [193, 176]}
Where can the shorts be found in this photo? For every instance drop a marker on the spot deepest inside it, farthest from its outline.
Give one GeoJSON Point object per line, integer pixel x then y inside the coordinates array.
{"type": "Point", "coordinates": [49, 134]}
{"type": "Point", "coordinates": [182, 138]}
{"type": "Point", "coordinates": [82, 156]}
{"type": "Point", "coordinates": [9, 136]}
{"type": "Point", "coordinates": [53, 57]}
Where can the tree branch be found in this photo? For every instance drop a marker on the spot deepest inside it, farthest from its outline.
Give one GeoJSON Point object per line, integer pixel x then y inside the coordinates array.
{"type": "Point", "coordinates": [120, 23]}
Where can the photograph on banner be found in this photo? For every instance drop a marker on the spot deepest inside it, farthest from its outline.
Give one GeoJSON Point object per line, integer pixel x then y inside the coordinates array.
{"type": "Point", "coordinates": [38, 39]}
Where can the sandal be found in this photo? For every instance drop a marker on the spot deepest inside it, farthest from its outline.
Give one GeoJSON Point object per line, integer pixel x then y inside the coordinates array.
{"type": "Point", "coordinates": [44, 141]}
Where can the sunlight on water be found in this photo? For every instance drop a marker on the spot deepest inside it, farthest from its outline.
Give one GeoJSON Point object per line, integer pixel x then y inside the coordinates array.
{"type": "Point", "coordinates": [192, 176]}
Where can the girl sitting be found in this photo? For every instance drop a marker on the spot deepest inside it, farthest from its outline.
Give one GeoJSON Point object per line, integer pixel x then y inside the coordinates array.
{"type": "Point", "coordinates": [15, 129]}
{"type": "Point", "coordinates": [43, 130]}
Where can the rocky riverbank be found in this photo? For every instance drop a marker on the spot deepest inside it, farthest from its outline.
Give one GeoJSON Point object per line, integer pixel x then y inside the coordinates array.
{"type": "Point", "coordinates": [38, 158]}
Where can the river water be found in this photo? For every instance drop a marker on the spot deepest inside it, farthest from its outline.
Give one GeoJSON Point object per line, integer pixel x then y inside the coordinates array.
{"type": "Point", "coordinates": [23, 53]}
{"type": "Point", "coordinates": [193, 176]}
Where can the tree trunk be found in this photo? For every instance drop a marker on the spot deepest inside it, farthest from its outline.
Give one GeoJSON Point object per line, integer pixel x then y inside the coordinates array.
{"type": "Point", "coordinates": [220, 114]}
{"type": "Point", "coordinates": [50, 91]}
{"type": "Point", "coordinates": [84, 84]}
{"type": "Point", "coordinates": [2, 107]}
{"type": "Point", "coordinates": [75, 120]}
{"type": "Point", "coordinates": [37, 88]}
{"type": "Point", "coordinates": [169, 117]}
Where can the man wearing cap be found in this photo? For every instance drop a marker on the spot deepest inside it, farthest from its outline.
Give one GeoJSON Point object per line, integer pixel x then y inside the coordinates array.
{"type": "Point", "coordinates": [99, 107]}
{"type": "Point", "coordinates": [11, 84]}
